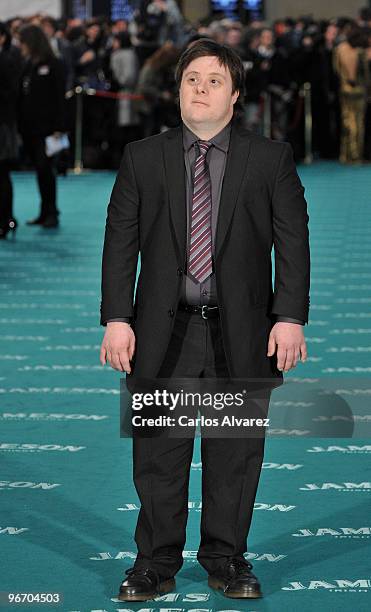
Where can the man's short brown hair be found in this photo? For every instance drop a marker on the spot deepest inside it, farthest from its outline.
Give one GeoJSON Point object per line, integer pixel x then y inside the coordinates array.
{"type": "Point", "coordinates": [227, 57]}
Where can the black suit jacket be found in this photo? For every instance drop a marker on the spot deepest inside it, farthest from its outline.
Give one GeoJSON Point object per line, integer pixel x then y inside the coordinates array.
{"type": "Point", "coordinates": [41, 102]}
{"type": "Point", "coordinates": [262, 204]}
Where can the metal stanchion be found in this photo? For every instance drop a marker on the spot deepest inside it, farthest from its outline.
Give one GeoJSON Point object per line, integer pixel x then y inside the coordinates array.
{"type": "Point", "coordinates": [78, 165]}
{"type": "Point", "coordinates": [307, 95]}
{"type": "Point", "coordinates": [79, 92]}
{"type": "Point", "coordinates": [267, 114]}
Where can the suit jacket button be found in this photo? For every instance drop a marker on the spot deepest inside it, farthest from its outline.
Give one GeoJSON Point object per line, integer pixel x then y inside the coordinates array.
{"type": "Point", "coordinates": [179, 271]}
{"type": "Point", "coordinates": [171, 312]}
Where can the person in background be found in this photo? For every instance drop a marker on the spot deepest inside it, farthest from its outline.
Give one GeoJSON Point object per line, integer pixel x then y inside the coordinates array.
{"type": "Point", "coordinates": [92, 70]}
{"type": "Point", "coordinates": [156, 84]}
{"type": "Point", "coordinates": [325, 96]}
{"type": "Point", "coordinates": [62, 48]}
{"type": "Point", "coordinates": [14, 25]}
{"type": "Point", "coordinates": [40, 114]}
{"type": "Point", "coordinates": [256, 81]}
{"type": "Point", "coordinates": [124, 66]}
{"type": "Point", "coordinates": [162, 21]}
{"type": "Point", "coordinates": [233, 38]}
{"type": "Point", "coordinates": [217, 31]}
{"type": "Point", "coordinates": [350, 63]}
{"type": "Point", "coordinates": [276, 63]}
{"type": "Point", "coordinates": [345, 25]}
{"type": "Point", "coordinates": [90, 54]}
{"type": "Point", "coordinates": [9, 79]}
{"type": "Point", "coordinates": [119, 27]}
{"type": "Point", "coordinates": [364, 17]}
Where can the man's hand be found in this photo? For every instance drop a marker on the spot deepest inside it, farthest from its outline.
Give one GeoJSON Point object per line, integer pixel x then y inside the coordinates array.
{"type": "Point", "coordinates": [118, 346]}
{"type": "Point", "coordinates": [86, 57]}
{"type": "Point", "coordinates": [290, 342]}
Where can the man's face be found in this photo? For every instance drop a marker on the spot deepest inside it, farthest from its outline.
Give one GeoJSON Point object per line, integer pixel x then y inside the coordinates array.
{"type": "Point", "coordinates": [205, 95]}
{"type": "Point", "coordinates": [331, 33]}
{"type": "Point", "coordinates": [233, 37]}
{"type": "Point", "coordinates": [93, 31]}
{"type": "Point", "coordinates": [48, 29]}
{"type": "Point", "coordinates": [266, 38]}
{"type": "Point", "coordinates": [120, 26]}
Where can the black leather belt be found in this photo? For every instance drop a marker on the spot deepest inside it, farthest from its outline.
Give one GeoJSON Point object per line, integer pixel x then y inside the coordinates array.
{"type": "Point", "coordinates": [206, 312]}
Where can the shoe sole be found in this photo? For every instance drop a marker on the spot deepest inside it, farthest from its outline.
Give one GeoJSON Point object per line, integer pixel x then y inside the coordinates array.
{"type": "Point", "coordinates": [165, 587]}
{"type": "Point", "coordinates": [218, 585]}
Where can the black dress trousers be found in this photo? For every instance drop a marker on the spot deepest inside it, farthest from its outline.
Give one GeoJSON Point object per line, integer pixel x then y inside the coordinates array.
{"type": "Point", "coordinates": [161, 468]}
{"type": "Point", "coordinates": [46, 174]}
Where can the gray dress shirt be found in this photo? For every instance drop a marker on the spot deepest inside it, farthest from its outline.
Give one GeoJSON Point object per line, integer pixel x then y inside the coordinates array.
{"type": "Point", "coordinates": [205, 293]}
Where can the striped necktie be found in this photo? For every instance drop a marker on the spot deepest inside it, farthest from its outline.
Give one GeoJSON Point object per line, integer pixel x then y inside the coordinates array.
{"type": "Point", "coordinates": [199, 252]}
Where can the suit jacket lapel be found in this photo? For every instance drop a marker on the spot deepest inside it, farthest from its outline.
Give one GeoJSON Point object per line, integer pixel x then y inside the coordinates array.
{"type": "Point", "coordinates": [175, 179]}
{"type": "Point", "coordinates": [236, 168]}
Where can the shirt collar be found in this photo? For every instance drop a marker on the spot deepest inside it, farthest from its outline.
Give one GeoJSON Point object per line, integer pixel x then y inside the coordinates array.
{"type": "Point", "coordinates": [220, 140]}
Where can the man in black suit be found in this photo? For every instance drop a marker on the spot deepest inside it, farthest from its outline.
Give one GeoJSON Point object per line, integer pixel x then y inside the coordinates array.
{"type": "Point", "coordinates": [203, 204]}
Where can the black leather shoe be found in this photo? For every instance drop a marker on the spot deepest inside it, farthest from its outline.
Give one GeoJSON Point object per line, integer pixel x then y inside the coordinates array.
{"type": "Point", "coordinates": [144, 583]}
{"type": "Point", "coordinates": [50, 221]}
{"type": "Point", "coordinates": [10, 227]}
{"type": "Point", "coordinates": [236, 580]}
{"type": "Point", "coordinates": [37, 221]}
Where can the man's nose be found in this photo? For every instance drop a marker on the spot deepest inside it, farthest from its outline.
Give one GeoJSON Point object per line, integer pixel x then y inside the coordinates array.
{"type": "Point", "coordinates": [201, 87]}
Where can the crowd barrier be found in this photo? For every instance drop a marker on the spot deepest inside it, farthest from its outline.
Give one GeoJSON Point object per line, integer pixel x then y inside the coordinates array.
{"type": "Point", "coordinates": [304, 105]}
{"type": "Point", "coordinates": [266, 102]}
{"type": "Point", "coordinates": [79, 92]}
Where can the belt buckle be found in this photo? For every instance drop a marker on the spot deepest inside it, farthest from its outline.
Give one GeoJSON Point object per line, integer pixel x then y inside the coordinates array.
{"type": "Point", "coordinates": [204, 309]}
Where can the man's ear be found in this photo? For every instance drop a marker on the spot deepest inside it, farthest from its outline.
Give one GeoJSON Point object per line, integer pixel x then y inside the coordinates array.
{"type": "Point", "coordinates": [235, 96]}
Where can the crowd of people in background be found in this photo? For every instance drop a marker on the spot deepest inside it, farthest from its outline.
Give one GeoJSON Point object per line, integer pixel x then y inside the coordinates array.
{"type": "Point", "coordinates": [126, 73]}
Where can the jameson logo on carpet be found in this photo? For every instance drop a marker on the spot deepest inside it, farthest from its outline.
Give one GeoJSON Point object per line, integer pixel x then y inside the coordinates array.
{"type": "Point", "coordinates": [11, 486]}
{"type": "Point", "coordinates": [344, 486]}
{"type": "Point", "coordinates": [188, 598]}
{"type": "Point", "coordinates": [192, 505]}
{"type": "Point", "coordinates": [37, 448]}
{"type": "Point", "coordinates": [266, 465]}
{"type": "Point", "coordinates": [50, 416]}
{"type": "Point", "coordinates": [350, 448]}
{"type": "Point", "coordinates": [188, 555]}
{"type": "Point", "coordinates": [13, 530]}
{"type": "Point", "coordinates": [339, 532]}
{"type": "Point", "coordinates": [360, 585]}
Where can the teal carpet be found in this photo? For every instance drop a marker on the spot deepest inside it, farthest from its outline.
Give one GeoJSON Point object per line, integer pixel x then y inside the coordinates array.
{"type": "Point", "coordinates": [68, 508]}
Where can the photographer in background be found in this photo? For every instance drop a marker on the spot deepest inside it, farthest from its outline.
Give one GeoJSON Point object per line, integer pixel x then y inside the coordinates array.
{"type": "Point", "coordinates": [41, 114]}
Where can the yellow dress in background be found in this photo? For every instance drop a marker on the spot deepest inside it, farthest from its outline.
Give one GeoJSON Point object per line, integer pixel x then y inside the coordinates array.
{"type": "Point", "coordinates": [352, 68]}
